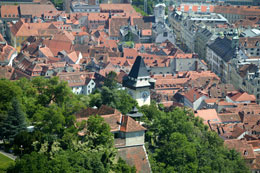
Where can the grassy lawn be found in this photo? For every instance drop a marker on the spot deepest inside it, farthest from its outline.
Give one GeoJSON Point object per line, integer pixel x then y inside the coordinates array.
{"type": "Point", "coordinates": [4, 163]}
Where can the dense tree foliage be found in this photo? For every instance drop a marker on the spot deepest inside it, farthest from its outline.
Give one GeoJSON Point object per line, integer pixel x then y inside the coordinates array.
{"type": "Point", "coordinates": [180, 142]}
{"type": "Point", "coordinates": [14, 123]}
{"type": "Point", "coordinates": [111, 95]}
{"type": "Point", "coordinates": [55, 144]}
{"type": "Point", "coordinates": [177, 141]}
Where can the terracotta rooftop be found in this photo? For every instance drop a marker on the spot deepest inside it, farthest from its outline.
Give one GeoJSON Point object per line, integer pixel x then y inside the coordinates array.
{"type": "Point", "coordinates": [35, 9]}
{"type": "Point", "coordinates": [6, 72]}
{"type": "Point", "coordinates": [128, 124]}
{"type": "Point", "coordinates": [21, 28]}
{"type": "Point", "coordinates": [113, 117]}
{"type": "Point", "coordinates": [76, 78]}
{"type": "Point", "coordinates": [192, 95]}
{"type": "Point", "coordinates": [242, 147]}
{"type": "Point", "coordinates": [196, 8]}
{"type": "Point", "coordinates": [115, 24]}
{"type": "Point", "coordinates": [240, 10]}
{"type": "Point", "coordinates": [229, 117]}
{"type": "Point", "coordinates": [241, 97]}
{"type": "Point", "coordinates": [135, 156]}
{"type": "Point", "coordinates": [249, 42]}
{"type": "Point", "coordinates": [208, 115]}
{"type": "Point", "coordinates": [9, 11]}
{"type": "Point", "coordinates": [6, 52]}
{"type": "Point", "coordinates": [126, 9]}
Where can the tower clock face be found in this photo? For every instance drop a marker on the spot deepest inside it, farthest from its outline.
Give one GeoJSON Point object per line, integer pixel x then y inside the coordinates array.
{"type": "Point", "coordinates": [145, 95]}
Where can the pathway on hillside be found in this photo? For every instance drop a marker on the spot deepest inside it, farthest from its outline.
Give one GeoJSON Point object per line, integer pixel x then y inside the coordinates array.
{"type": "Point", "coordinates": [11, 156]}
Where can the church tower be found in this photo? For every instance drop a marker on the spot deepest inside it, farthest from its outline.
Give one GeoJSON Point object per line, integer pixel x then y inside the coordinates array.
{"type": "Point", "coordinates": [138, 82]}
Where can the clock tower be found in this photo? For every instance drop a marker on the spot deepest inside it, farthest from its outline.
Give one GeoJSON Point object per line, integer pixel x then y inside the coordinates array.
{"type": "Point", "coordinates": [138, 82]}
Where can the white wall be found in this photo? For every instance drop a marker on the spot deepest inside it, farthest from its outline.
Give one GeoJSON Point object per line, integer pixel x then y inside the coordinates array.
{"type": "Point", "coordinates": [134, 138]}
{"type": "Point", "coordinates": [198, 102]}
{"type": "Point", "coordinates": [12, 59]}
{"type": "Point", "coordinates": [137, 95]}
{"type": "Point", "coordinates": [228, 99]}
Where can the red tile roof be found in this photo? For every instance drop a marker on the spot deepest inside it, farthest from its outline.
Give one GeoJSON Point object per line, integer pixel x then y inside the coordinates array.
{"type": "Point", "coordinates": [113, 117]}
{"type": "Point", "coordinates": [195, 8]}
{"type": "Point", "coordinates": [192, 95]}
{"type": "Point", "coordinates": [242, 147]}
{"type": "Point", "coordinates": [6, 52]}
{"type": "Point", "coordinates": [36, 9]}
{"type": "Point", "coordinates": [9, 11]}
{"type": "Point", "coordinates": [128, 124]}
{"type": "Point", "coordinates": [115, 24]}
{"type": "Point", "coordinates": [240, 10]}
{"type": "Point", "coordinates": [208, 115]}
{"type": "Point", "coordinates": [136, 156]}
{"type": "Point", "coordinates": [240, 97]}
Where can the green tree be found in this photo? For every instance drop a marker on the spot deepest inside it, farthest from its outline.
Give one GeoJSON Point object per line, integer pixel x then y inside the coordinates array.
{"type": "Point", "coordinates": [8, 91]}
{"type": "Point", "coordinates": [54, 145]}
{"type": "Point", "coordinates": [34, 162]}
{"type": "Point", "coordinates": [122, 167]}
{"type": "Point", "coordinates": [124, 102]}
{"type": "Point", "coordinates": [98, 132]}
{"type": "Point", "coordinates": [110, 80]}
{"type": "Point", "coordinates": [118, 99]}
{"type": "Point", "coordinates": [51, 91]}
{"type": "Point", "coordinates": [179, 142]}
{"type": "Point", "coordinates": [26, 139]}
{"type": "Point", "coordinates": [49, 119]}
{"type": "Point", "coordinates": [14, 123]}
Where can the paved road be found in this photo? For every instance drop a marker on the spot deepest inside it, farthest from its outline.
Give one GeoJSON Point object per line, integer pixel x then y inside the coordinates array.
{"type": "Point", "coordinates": [11, 156]}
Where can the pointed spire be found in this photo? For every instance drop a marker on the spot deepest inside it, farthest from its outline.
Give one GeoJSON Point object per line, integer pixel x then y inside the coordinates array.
{"type": "Point", "coordinates": [138, 69]}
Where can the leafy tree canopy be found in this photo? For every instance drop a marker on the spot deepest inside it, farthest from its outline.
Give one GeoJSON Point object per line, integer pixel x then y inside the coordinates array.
{"type": "Point", "coordinates": [180, 142]}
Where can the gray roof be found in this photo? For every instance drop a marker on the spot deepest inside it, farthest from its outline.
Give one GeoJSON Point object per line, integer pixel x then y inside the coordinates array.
{"type": "Point", "coordinates": [139, 69]}
{"type": "Point", "coordinates": [222, 47]}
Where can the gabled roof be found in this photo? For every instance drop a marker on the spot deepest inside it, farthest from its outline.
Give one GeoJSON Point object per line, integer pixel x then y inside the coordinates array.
{"type": "Point", "coordinates": [128, 124]}
{"type": "Point", "coordinates": [193, 95]}
{"type": "Point", "coordinates": [222, 47]}
{"type": "Point", "coordinates": [239, 97]}
{"type": "Point", "coordinates": [36, 9]}
{"type": "Point", "coordinates": [113, 117]}
{"type": "Point", "coordinates": [139, 69]}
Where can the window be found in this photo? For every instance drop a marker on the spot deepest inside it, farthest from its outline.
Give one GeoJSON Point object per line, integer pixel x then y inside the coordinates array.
{"type": "Point", "coordinates": [245, 153]}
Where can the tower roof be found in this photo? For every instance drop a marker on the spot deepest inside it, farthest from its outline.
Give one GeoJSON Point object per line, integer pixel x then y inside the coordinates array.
{"type": "Point", "coordinates": [138, 69]}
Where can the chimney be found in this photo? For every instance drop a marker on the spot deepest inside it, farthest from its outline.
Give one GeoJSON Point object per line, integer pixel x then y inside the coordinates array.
{"type": "Point", "coordinates": [194, 97]}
